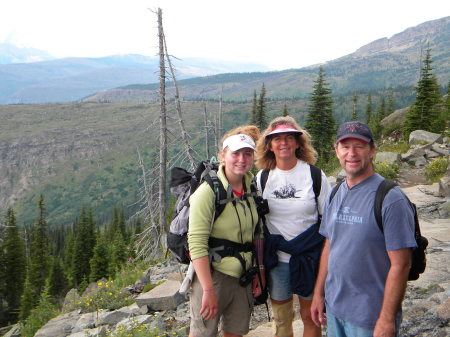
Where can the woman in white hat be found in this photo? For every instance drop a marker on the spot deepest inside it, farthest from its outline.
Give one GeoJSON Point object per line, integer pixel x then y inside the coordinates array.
{"type": "Point", "coordinates": [216, 291]}
{"type": "Point", "coordinates": [289, 181]}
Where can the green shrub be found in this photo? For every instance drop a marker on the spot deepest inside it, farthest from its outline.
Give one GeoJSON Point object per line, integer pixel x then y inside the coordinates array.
{"type": "Point", "coordinates": [387, 170]}
{"type": "Point", "coordinates": [436, 169]}
{"type": "Point", "coordinates": [107, 295]}
{"type": "Point", "coordinates": [45, 311]}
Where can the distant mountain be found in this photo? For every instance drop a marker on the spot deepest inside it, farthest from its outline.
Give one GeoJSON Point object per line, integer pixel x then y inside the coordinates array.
{"type": "Point", "coordinates": [71, 79]}
{"type": "Point", "coordinates": [10, 53]}
{"type": "Point", "coordinates": [386, 62]}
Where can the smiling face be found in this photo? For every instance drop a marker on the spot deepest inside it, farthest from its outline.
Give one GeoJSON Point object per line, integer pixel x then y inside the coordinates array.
{"type": "Point", "coordinates": [238, 163]}
{"type": "Point", "coordinates": [283, 146]}
{"type": "Point", "coordinates": [355, 157]}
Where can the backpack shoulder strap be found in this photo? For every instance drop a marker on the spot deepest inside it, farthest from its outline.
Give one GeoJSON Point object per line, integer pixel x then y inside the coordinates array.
{"type": "Point", "coordinates": [316, 175]}
{"type": "Point", "coordinates": [383, 189]}
{"type": "Point", "coordinates": [264, 177]}
{"type": "Point", "coordinates": [335, 189]}
{"type": "Point", "coordinates": [219, 192]}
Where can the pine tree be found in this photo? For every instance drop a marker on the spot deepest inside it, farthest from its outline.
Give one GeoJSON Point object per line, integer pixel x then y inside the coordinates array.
{"type": "Point", "coordinates": [369, 109]}
{"type": "Point", "coordinates": [122, 225]}
{"type": "Point", "coordinates": [100, 260]}
{"type": "Point", "coordinates": [285, 110]}
{"type": "Point", "coordinates": [381, 109]}
{"type": "Point", "coordinates": [68, 258]}
{"type": "Point", "coordinates": [446, 111]}
{"type": "Point", "coordinates": [320, 122]}
{"type": "Point", "coordinates": [261, 110]}
{"type": "Point", "coordinates": [57, 284]}
{"type": "Point", "coordinates": [253, 118]}
{"type": "Point", "coordinates": [118, 253]}
{"type": "Point", "coordinates": [27, 301]}
{"type": "Point", "coordinates": [38, 261]}
{"type": "Point", "coordinates": [355, 112]}
{"type": "Point", "coordinates": [390, 102]}
{"type": "Point", "coordinates": [14, 264]}
{"type": "Point", "coordinates": [83, 246]}
{"type": "Point", "coordinates": [425, 113]}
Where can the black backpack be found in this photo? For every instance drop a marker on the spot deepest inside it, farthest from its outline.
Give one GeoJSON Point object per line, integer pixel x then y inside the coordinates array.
{"type": "Point", "coordinates": [419, 260]}
{"type": "Point", "coordinates": [182, 184]}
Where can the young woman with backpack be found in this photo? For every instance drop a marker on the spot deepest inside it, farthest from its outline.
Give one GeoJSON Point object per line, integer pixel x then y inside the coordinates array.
{"type": "Point", "coordinates": [218, 290]}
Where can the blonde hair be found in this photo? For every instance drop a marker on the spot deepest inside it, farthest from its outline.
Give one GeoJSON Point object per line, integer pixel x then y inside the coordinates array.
{"type": "Point", "coordinates": [249, 130]}
{"type": "Point", "coordinates": [266, 158]}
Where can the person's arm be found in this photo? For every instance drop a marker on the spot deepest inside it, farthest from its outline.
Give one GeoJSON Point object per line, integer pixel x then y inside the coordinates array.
{"type": "Point", "coordinates": [210, 304]}
{"type": "Point", "coordinates": [393, 292]}
{"type": "Point", "coordinates": [200, 216]}
{"type": "Point", "coordinates": [318, 301]}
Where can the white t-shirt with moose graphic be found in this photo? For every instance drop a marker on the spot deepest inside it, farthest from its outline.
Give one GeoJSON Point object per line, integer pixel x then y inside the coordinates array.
{"type": "Point", "coordinates": [291, 202]}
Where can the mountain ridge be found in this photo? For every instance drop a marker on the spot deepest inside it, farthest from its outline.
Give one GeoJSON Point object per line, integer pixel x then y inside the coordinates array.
{"type": "Point", "coordinates": [383, 63]}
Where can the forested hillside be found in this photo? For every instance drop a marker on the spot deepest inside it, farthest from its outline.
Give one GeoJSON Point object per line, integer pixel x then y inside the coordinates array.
{"type": "Point", "coordinates": [85, 154]}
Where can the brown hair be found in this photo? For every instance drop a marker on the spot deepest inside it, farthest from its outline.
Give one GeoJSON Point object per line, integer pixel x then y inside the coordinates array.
{"type": "Point", "coordinates": [249, 130]}
{"type": "Point", "coordinates": [266, 158]}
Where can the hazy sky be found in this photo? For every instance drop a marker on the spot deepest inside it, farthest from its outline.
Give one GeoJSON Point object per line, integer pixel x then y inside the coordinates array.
{"type": "Point", "coordinates": [281, 34]}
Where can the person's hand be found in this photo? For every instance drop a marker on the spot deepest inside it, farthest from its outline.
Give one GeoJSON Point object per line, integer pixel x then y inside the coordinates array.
{"type": "Point", "coordinates": [317, 311]}
{"type": "Point", "coordinates": [210, 304]}
{"type": "Point", "coordinates": [384, 328]}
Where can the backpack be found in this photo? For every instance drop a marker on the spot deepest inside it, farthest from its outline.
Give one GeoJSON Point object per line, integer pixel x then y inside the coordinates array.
{"type": "Point", "coordinates": [182, 185]}
{"type": "Point", "coordinates": [419, 260]}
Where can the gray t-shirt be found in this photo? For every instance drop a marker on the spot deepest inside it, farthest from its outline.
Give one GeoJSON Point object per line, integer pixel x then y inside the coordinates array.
{"type": "Point", "coordinates": [358, 262]}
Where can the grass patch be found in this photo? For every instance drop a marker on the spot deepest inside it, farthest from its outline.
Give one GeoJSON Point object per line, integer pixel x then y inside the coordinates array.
{"type": "Point", "coordinates": [399, 147]}
{"type": "Point", "coordinates": [387, 170]}
{"type": "Point", "coordinates": [436, 169]}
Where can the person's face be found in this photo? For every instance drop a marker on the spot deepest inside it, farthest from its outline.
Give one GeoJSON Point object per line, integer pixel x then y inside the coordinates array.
{"type": "Point", "coordinates": [283, 145]}
{"type": "Point", "coordinates": [355, 157]}
{"type": "Point", "coordinates": [238, 162]}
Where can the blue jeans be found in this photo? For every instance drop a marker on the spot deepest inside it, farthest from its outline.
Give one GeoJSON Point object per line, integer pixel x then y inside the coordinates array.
{"type": "Point", "coordinates": [280, 283]}
{"type": "Point", "coordinates": [337, 327]}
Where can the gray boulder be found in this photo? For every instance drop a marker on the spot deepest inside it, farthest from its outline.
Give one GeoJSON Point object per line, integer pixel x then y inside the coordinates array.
{"type": "Point", "coordinates": [444, 210]}
{"type": "Point", "coordinates": [100, 331]}
{"type": "Point", "coordinates": [71, 297]}
{"type": "Point", "coordinates": [86, 321]}
{"type": "Point", "coordinates": [444, 186]}
{"type": "Point", "coordinates": [59, 326]}
{"type": "Point", "coordinates": [113, 317]}
{"type": "Point", "coordinates": [163, 297]}
{"type": "Point", "coordinates": [441, 149]}
{"type": "Point", "coordinates": [421, 136]}
{"type": "Point", "coordinates": [414, 152]}
{"type": "Point", "coordinates": [430, 154]}
{"type": "Point", "coordinates": [388, 157]}
{"type": "Point", "coordinates": [134, 321]}
{"type": "Point", "coordinates": [395, 119]}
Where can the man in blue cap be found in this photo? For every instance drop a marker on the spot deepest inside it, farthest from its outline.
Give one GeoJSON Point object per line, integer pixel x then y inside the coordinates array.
{"type": "Point", "coordinates": [363, 272]}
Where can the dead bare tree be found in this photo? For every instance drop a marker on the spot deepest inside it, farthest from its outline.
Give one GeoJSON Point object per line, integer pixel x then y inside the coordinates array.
{"type": "Point", "coordinates": [153, 198]}
{"type": "Point", "coordinates": [163, 128]}
{"type": "Point", "coordinates": [184, 134]}
{"type": "Point", "coordinates": [207, 126]}
{"type": "Point", "coordinates": [219, 118]}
